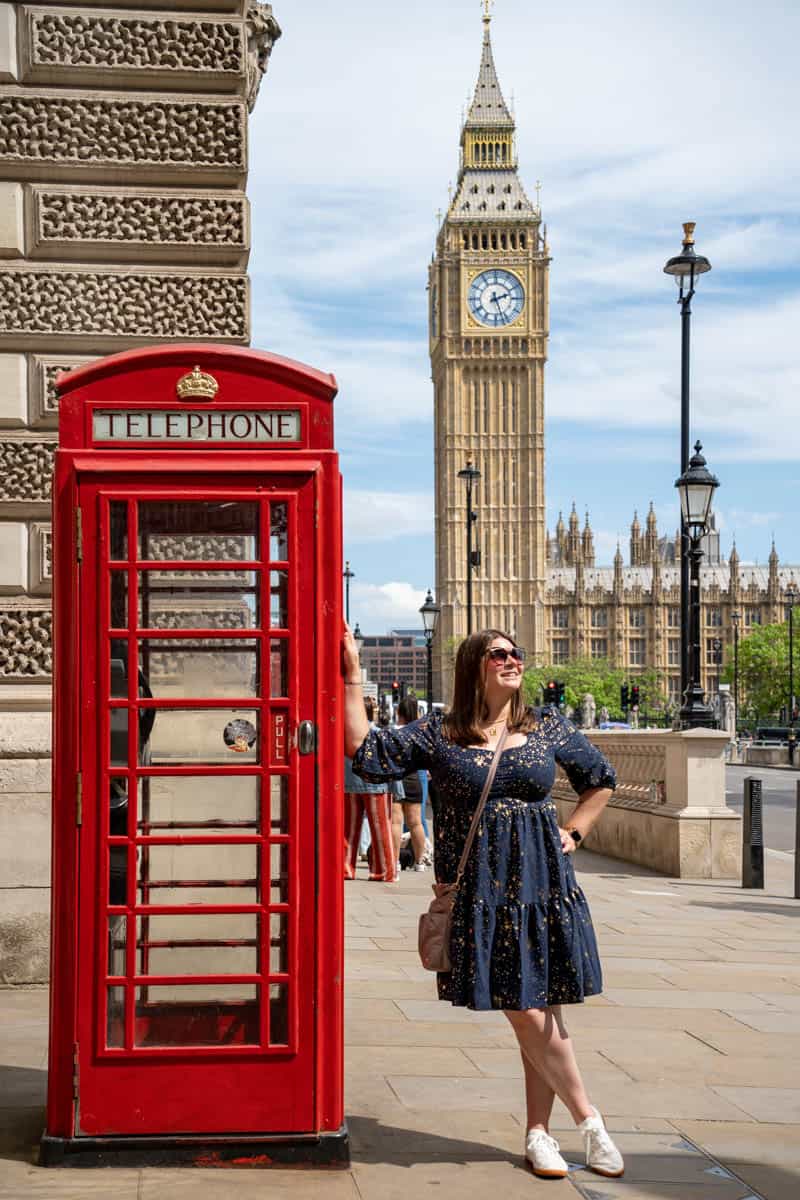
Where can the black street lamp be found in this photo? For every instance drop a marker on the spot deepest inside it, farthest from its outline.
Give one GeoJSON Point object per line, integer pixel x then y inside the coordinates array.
{"type": "Point", "coordinates": [696, 487]}
{"type": "Point", "coordinates": [430, 615]}
{"type": "Point", "coordinates": [686, 269]}
{"type": "Point", "coordinates": [348, 575]}
{"type": "Point", "coordinates": [735, 619]}
{"type": "Point", "coordinates": [791, 599]}
{"type": "Point", "coordinates": [470, 474]}
{"type": "Point", "coordinates": [358, 638]}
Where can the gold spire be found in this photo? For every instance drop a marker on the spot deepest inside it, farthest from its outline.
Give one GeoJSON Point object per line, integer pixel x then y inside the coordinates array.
{"type": "Point", "coordinates": [487, 10]}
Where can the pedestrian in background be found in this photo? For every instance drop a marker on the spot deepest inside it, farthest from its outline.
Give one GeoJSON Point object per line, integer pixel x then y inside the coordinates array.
{"type": "Point", "coordinates": [409, 808]}
{"type": "Point", "coordinates": [373, 801]}
{"type": "Point", "coordinates": [522, 939]}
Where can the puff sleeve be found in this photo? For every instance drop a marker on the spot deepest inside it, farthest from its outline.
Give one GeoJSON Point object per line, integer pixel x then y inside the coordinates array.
{"type": "Point", "coordinates": [393, 753]}
{"type": "Point", "coordinates": [584, 765]}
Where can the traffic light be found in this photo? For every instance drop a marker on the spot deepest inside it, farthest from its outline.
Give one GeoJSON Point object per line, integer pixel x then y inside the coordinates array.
{"type": "Point", "coordinates": [395, 692]}
{"type": "Point", "coordinates": [559, 693]}
{"type": "Point", "coordinates": [550, 692]}
{"type": "Point", "coordinates": [635, 696]}
{"type": "Point", "coordinates": [623, 697]}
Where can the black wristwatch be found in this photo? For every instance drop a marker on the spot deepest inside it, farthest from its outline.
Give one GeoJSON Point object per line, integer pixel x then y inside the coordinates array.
{"type": "Point", "coordinates": [576, 836]}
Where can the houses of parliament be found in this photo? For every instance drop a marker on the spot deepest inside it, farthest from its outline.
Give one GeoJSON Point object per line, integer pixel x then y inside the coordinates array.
{"type": "Point", "coordinates": [488, 327]}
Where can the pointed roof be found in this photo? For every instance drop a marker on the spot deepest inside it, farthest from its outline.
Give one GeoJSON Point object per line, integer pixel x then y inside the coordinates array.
{"type": "Point", "coordinates": [488, 106]}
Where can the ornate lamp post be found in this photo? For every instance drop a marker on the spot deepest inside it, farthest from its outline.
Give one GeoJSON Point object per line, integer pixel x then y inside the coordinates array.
{"type": "Point", "coordinates": [358, 638]}
{"type": "Point", "coordinates": [791, 599]}
{"type": "Point", "coordinates": [686, 269]}
{"type": "Point", "coordinates": [348, 575]}
{"type": "Point", "coordinates": [470, 474]}
{"type": "Point", "coordinates": [735, 619]}
{"type": "Point", "coordinates": [430, 615]}
{"type": "Point", "coordinates": [696, 487]}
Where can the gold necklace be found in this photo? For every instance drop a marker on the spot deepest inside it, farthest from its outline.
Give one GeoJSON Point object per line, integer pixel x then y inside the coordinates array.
{"type": "Point", "coordinates": [492, 729]}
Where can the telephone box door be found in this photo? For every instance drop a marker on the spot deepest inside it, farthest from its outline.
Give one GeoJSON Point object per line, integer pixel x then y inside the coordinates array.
{"type": "Point", "coordinates": [197, 847]}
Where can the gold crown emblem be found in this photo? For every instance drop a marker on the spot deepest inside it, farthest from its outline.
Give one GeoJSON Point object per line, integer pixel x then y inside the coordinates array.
{"type": "Point", "coordinates": [197, 385]}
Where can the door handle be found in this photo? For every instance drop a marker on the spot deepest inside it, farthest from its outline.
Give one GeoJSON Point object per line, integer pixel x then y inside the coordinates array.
{"type": "Point", "coordinates": [306, 737]}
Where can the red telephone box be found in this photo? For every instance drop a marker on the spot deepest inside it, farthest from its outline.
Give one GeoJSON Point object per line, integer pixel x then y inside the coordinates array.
{"type": "Point", "coordinates": [197, 956]}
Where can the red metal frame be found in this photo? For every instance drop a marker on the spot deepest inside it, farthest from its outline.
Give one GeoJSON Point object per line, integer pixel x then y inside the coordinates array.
{"type": "Point", "coordinates": [242, 1088]}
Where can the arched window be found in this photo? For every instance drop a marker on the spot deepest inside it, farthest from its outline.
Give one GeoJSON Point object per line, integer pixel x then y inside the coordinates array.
{"type": "Point", "coordinates": [505, 152]}
{"type": "Point", "coordinates": [483, 151]}
{"type": "Point", "coordinates": [491, 152]}
{"type": "Point", "coordinates": [494, 239]}
{"type": "Point", "coordinates": [484, 242]}
{"type": "Point", "coordinates": [513, 241]}
{"type": "Point", "coordinates": [465, 241]}
{"type": "Point", "coordinates": [476, 153]}
{"type": "Point", "coordinates": [523, 241]}
{"type": "Point", "coordinates": [474, 241]}
{"type": "Point", "coordinates": [503, 237]}
{"type": "Point", "coordinates": [502, 207]}
{"type": "Point", "coordinates": [497, 152]}
{"type": "Point", "coordinates": [490, 189]}
{"type": "Point", "coordinates": [474, 189]}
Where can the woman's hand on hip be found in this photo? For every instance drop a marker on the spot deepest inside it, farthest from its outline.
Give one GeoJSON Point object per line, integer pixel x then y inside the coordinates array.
{"type": "Point", "coordinates": [567, 841]}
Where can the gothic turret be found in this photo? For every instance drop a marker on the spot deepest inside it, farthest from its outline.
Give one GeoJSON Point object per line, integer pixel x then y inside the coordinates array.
{"type": "Point", "coordinates": [651, 537]}
{"type": "Point", "coordinates": [636, 541]}
{"type": "Point", "coordinates": [574, 548]}
{"type": "Point", "coordinates": [587, 539]}
{"type": "Point", "coordinates": [734, 581]}
{"type": "Point", "coordinates": [773, 585]}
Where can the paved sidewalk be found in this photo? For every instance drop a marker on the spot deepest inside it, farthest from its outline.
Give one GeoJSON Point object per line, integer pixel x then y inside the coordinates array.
{"type": "Point", "coordinates": [692, 1053]}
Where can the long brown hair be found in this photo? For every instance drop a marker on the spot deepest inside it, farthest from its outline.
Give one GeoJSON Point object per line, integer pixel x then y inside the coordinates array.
{"type": "Point", "coordinates": [462, 723]}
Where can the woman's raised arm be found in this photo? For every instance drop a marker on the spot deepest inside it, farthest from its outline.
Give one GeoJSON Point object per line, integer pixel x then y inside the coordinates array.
{"type": "Point", "coordinates": [356, 725]}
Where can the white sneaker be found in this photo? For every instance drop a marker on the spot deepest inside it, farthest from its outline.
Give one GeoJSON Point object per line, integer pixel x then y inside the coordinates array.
{"type": "Point", "coordinates": [602, 1156]}
{"type": "Point", "coordinates": [543, 1157]}
{"type": "Point", "coordinates": [420, 866]}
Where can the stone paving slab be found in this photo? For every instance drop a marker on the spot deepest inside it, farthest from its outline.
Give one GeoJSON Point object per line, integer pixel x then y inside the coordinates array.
{"type": "Point", "coordinates": [689, 1055]}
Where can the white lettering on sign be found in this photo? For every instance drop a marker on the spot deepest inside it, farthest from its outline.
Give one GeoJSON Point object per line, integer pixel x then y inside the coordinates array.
{"type": "Point", "coordinates": [192, 425]}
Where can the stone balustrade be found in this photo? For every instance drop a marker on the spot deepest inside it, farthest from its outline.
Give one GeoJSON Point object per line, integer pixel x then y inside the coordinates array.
{"type": "Point", "coordinates": [668, 812]}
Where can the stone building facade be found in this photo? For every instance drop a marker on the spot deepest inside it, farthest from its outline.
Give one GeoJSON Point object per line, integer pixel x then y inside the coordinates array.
{"type": "Point", "coordinates": [488, 325]}
{"type": "Point", "coordinates": [124, 221]}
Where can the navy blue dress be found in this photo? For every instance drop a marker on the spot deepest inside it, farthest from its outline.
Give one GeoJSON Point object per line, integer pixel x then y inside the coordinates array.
{"type": "Point", "coordinates": [522, 932]}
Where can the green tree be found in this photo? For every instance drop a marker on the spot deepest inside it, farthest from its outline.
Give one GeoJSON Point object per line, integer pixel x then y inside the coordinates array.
{"type": "Point", "coordinates": [763, 671]}
{"type": "Point", "coordinates": [598, 676]}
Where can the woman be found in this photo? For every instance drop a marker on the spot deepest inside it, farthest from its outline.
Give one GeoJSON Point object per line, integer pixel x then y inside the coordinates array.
{"type": "Point", "coordinates": [410, 806]}
{"type": "Point", "coordinates": [370, 800]}
{"type": "Point", "coordinates": [522, 934]}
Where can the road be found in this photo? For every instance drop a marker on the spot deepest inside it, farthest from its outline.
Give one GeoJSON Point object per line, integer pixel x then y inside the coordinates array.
{"type": "Point", "coordinates": [779, 790]}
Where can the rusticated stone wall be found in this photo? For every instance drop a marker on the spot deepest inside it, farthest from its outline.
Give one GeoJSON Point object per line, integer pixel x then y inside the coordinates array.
{"type": "Point", "coordinates": [123, 221]}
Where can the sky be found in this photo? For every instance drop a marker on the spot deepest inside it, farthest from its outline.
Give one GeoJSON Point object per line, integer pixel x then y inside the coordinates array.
{"type": "Point", "coordinates": [635, 117]}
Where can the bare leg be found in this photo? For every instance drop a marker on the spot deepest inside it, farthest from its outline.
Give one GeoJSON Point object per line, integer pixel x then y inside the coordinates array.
{"type": "Point", "coordinates": [539, 1097]}
{"type": "Point", "coordinates": [397, 827]}
{"type": "Point", "coordinates": [413, 817]}
{"type": "Point", "coordinates": [543, 1039]}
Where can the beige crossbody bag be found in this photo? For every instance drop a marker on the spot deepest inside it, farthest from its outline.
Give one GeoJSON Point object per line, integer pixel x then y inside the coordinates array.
{"type": "Point", "coordinates": [436, 924]}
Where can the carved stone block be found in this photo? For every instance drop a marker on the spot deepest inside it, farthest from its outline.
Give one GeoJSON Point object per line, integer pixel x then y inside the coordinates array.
{"type": "Point", "coordinates": [52, 134]}
{"type": "Point", "coordinates": [9, 71]}
{"type": "Point", "coordinates": [12, 229]}
{"type": "Point", "coordinates": [222, 6]}
{"type": "Point", "coordinates": [26, 642]}
{"type": "Point", "coordinates": [137, 224]}
{"type": "Point", "coordinates": [69, 45]}
{"type": "Point", "coordinates": [54, 308]}
{"type": "Point", "coordinates": [40, 559]}
{"type": "Point", "coordinates": [13, 390]}
{"type": "Point", "coordinates": [26, 470]}
{"type": "Point", "coordinates": [13, 556]}
{"type": "Point", "coordinates": [43, 372]}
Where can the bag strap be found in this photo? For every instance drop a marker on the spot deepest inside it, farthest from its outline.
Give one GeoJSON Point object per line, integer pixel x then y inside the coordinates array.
{"type": "Point", "coordinates": [487, 787]}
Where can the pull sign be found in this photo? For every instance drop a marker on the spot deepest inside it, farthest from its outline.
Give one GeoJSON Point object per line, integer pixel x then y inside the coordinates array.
{"type": "Point", "coordinates": [79, 798]}
{"type": "Point", "coordinates": [280, 739]}
{"type": "Point", "coordinates": [79, 535]}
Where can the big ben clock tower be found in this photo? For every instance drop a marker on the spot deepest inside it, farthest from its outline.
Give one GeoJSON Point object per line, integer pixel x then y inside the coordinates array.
{"type": "Point", "coordinates": [488, 321]}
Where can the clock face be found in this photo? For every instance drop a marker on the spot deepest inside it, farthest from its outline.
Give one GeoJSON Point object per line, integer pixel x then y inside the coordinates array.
{"type": "Point", "coordinates": [496, 297]}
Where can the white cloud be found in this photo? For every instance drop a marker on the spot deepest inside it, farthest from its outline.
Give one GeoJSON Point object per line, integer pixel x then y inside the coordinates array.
{"type": "Point", "coordinates": [381, 516]}
{"type": "Point", "coordinates": [380, 607]}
